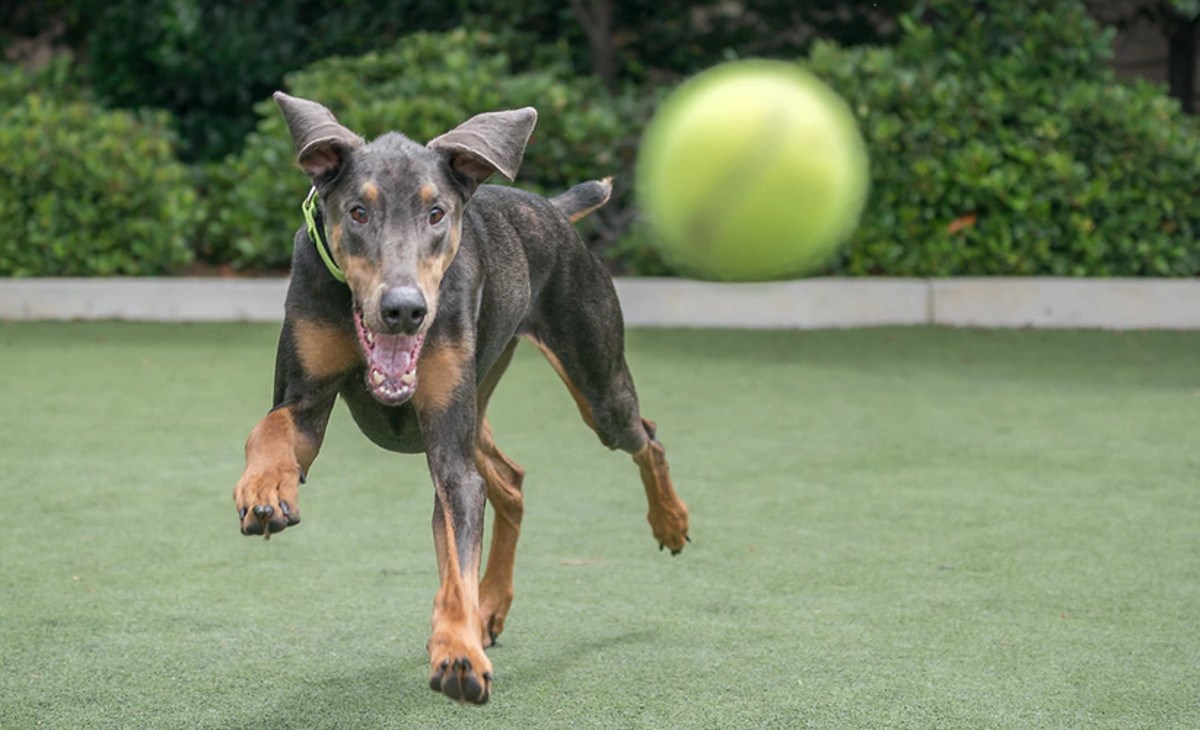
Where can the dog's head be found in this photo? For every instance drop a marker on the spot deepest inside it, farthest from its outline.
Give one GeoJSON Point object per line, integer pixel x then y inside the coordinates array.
{"type": "Point", "coordinates": [393, 215]}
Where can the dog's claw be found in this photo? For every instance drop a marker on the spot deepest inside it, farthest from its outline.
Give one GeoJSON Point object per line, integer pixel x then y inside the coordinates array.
{"type": "Point", "coordinates": [435, 682]}
{"type": "Point", "coordinates": [687, 537]}
{"type": "Point", "coordinates": [660, 547]}
{"type": "Point", "coordinates": [242, 513]}
{"type": "Point", "coordinates": [264, 512]}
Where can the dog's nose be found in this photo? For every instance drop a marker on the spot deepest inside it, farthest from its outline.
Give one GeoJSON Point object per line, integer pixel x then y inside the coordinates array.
{"type": "Point", "coordinates": [403, 308]}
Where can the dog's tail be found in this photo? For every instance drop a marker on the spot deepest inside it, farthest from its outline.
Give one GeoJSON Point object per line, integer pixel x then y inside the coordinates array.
{"type": "Point", "coordinates": [582, 199]}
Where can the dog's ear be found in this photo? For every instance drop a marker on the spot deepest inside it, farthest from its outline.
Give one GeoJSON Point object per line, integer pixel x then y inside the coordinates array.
{"type": "Point", "coordinates": [488, 143]}
{"type": "Point", "coordinates": [322, 144]}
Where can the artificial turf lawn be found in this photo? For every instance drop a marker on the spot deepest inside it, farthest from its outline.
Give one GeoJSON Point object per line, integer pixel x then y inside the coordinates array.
{"type": "Point", "coordinates": [892, 528]}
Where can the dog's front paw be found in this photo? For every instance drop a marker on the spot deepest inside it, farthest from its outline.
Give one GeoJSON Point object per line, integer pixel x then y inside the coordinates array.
{"type": "Point", "coordinates": [459, 669]}
{"type": "Point", "coordinates": [266, 499]}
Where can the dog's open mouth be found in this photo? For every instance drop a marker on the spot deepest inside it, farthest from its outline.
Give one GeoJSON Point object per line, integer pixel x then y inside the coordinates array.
{"type": "Point", "coordinates": [391, 362]}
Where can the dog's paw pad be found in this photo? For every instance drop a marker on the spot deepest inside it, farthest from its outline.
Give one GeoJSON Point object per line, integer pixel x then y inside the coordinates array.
{"type": "Point", "coordinates": [459, 681]}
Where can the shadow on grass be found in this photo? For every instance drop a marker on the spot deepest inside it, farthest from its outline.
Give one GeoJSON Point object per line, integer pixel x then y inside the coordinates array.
{"type": "Point", "coordinates": [379, 696]}
{"type": "Point", "coordinates": [395, 693]}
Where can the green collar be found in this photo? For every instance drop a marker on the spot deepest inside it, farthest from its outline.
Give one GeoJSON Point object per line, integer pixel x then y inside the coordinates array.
{"type": "Point", "coordinates": [316, 233]}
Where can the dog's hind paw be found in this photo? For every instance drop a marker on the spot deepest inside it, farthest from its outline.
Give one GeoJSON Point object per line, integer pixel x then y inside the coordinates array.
{"type": "Point", "coordinates": [674, 551]}
{"type": "Point", "coordinates": [670, 526]}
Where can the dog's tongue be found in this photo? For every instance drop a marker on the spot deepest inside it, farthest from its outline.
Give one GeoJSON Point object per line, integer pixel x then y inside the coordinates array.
{"type": "Point", "coordinates": [392, 367]}
{"type": "Point", "coordinates": [392, 355]}
{"type": "Point", "coordinates": [391, 362]}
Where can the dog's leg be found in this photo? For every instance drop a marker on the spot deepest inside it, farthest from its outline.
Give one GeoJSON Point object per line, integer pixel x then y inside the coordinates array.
{"type": "Point", "coordinates": [668, 515]}
{"type": "Point", "coordinates": [504, 478]}
{"type": "Point", "coordinates": [586, 346]}
{"type": "Point", "coordinates": [446, 408]}
{"type": "Point", "coordinates": [282, 447]}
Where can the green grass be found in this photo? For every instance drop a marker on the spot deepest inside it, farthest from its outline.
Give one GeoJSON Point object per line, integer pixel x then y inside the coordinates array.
{"type": "Point", "coordinates": [892, 528]}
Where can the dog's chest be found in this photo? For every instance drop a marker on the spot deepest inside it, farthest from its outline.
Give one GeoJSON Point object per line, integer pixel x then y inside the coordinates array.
{"type": "Point", "coordinates": [394, 428]}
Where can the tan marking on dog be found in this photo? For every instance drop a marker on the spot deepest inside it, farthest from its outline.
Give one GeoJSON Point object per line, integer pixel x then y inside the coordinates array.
{"type": "Point", "coordinates": [325, 350]}
{"type": "Point", "coordinates": [370, 192]}
{"type": "Point", "coordinates": [273, 440]}
{"type": "Point", "coordinates": [585, 408]}
{"type": "Point", "coordinates": [504, 478]}
{"type": "Point", "coordinates": [668, 515]}
{"type": "Point", "coordinates": [363, 277]}
{"type": "Point", "coordinates": [439, 372]}
{"type": "Point", "coordinates": [431, 269]}
{"type": "Point", "coordinates": [277, 453]}
{"type": "Point", "coordinates": [335, 239]}
{"type": "Point", "coordinates": [457, 628]}
{"type": "Point", "coordinates": [428, 193]}
{"type": "Point", "coordinates": [579, 215]}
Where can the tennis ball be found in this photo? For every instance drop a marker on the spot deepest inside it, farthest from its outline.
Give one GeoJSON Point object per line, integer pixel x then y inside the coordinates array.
{"type": "Point", "coordinates": [752, 170]}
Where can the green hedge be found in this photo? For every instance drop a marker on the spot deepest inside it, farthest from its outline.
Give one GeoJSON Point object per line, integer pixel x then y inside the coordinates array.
{"type": "Point", "coordinates": [424, 85]}
{"type": "Point", "coordinates": [208, 61]}
{"type": "Point", "coordinates": [1001, 144]}
{"type": "Point", "coordinates": [59, 79]}
{"type": "Point", "coordinates": [85, 191]}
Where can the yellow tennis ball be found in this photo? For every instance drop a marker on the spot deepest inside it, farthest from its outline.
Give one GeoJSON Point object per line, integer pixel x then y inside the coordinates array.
{"type": "Point", "coordinates": [752, 170]}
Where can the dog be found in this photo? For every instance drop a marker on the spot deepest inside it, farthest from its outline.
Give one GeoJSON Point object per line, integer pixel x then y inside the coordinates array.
{"type": "Point", "coordinates": [410, 289]}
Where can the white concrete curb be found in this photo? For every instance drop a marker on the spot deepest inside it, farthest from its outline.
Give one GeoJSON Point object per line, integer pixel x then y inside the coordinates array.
{"type": "Point", "coordinates": [648, 302]}
{"type": "Point", "coordinates": [145, 299]}
{"type": "Point", "coordinates": [1067, 303]}
{"type": "Point", "coordinates": [803, 304]}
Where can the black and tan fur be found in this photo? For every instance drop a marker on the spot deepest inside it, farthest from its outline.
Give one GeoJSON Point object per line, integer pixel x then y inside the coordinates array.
{"type": "Point", "coordinates": [430, 251]}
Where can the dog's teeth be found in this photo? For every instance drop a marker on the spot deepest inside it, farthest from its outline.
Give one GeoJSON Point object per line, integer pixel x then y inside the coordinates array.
{"type": "Point", "coordinates": [370, 337]}
{"type": "Point", "coordinates": [408, 379]}
{"type": "Point", "coordinates": [377, 377]}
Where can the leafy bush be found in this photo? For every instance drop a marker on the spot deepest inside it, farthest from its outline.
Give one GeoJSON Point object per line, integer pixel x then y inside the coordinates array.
{"type": "Point", "coordinates": [89, 192]}
{"type": "Point", "coordinates": [670, 38]}
{"type": "Point", "coordinates": [1001, 144]}
{"type": "Point", "coordinates": [59, 79]}
{"type": "Point", "coordinates": [208, 61]}
{"type": "Point", "coordinates": [423, 86]}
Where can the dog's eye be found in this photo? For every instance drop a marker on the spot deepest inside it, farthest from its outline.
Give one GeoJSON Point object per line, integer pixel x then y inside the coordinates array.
{"type": "Point", "coordinates": [436, 215]}
{"type": "Point", "coordinates": [359, 214]}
